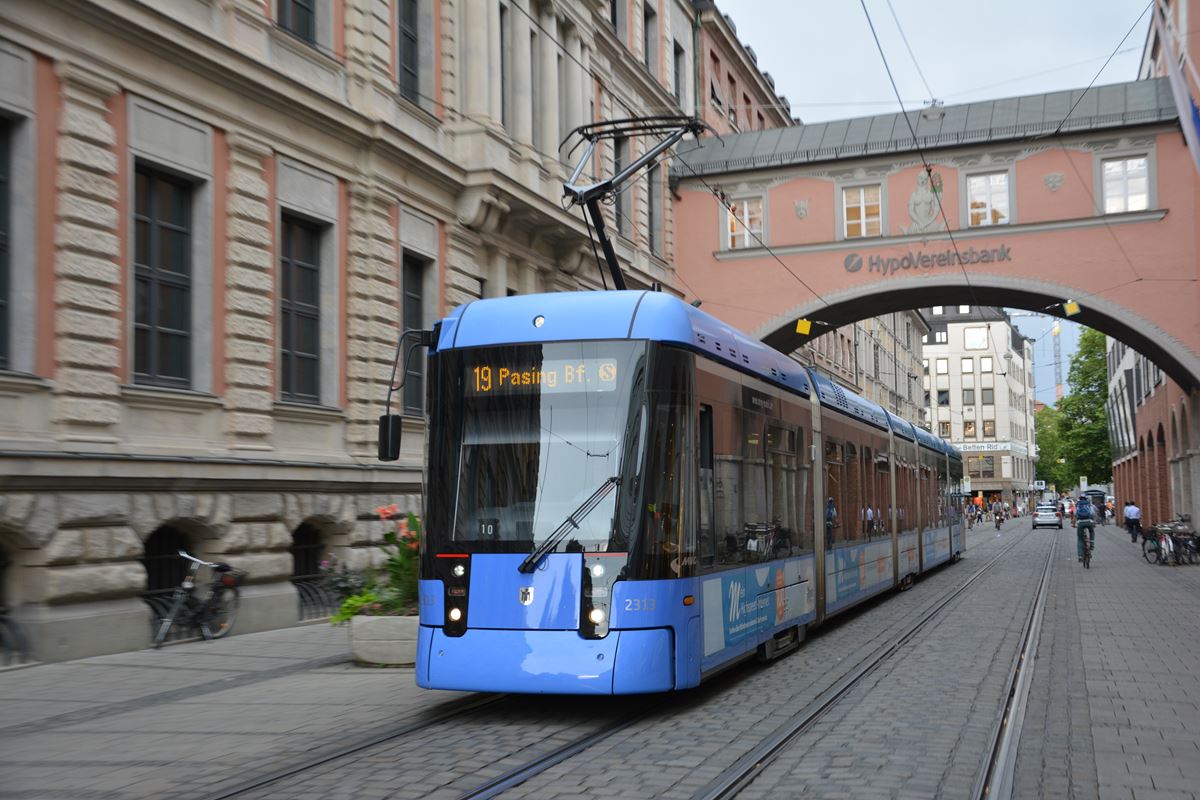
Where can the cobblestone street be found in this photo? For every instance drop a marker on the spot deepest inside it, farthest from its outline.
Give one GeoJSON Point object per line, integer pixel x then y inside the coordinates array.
{"type": "Point", "coordinates": [1112, 710]}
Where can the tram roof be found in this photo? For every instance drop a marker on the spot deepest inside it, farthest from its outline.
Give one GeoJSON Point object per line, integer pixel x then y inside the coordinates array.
{"type": "Point", "coordinates": [1120, 105]}
{"type": "Point", "coordinates": [835, 397]}
{"type": "Point", "coordinates": [901, 427]}
{"type": "Point", "coordinates": [655, 316]}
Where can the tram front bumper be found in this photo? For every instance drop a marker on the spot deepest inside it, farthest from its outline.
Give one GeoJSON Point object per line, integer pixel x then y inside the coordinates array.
{"type": "Point", "coordinates": [547, 662]}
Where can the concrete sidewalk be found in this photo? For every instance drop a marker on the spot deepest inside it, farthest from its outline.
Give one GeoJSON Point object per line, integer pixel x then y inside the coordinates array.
{"type": "Point", "coordinates": [1140, 636]}
{"type": "Point", "coordinates": [179, 721]}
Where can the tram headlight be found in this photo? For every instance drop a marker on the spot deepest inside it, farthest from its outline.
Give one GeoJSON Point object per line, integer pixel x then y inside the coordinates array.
{"type": "Point", "coordinates": [596, 616]}
{"type": "Point", "coordinates": [458, 571]}
{"type": "Point", "coordinates": [455, 614]}
{"type": "Point", "coordinates": [597, 570]}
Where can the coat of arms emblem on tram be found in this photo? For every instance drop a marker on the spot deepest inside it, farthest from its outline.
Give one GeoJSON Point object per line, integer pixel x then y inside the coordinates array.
{"type": "Point", "coordinates": [525, 595]}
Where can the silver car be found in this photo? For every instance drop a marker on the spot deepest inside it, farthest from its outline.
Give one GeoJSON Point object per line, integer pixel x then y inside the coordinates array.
{"type": "Point", "coordinates": [1047, 516]}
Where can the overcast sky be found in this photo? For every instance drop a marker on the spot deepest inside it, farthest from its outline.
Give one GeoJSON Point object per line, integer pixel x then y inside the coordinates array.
{"type": "Point", "coordinates": [823, 59]}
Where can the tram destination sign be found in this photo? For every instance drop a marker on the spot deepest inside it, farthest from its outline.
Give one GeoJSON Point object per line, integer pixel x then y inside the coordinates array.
{"type": "Point", "coordinates": [921, 260]}
{"type": "Point", "coordinates": [547, 377]}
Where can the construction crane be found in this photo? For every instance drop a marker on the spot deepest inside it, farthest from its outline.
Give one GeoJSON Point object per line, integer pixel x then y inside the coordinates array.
{"type": "Point", "coordinates": [1054, 332]}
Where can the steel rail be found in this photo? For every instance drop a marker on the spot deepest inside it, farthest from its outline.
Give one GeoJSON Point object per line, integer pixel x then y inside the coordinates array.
{"type": "Point", "coordinates": [537, 766]}
{"type": "Point", "coordinates": [744, 771]}
{"type": "Point", "coordinates": [995, 776]}
{"type": "Point", "coordinates": [454, 709]}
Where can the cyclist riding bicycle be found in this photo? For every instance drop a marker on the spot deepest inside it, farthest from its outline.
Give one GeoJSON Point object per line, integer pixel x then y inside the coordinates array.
{"type": "Point", "coordinates": [1085, 520]}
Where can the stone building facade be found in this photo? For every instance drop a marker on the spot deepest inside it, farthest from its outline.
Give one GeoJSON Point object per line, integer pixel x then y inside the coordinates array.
{"type": "Point", "coordinates": [219, 215]}
{"type": "Point", "coordinates": [979, 384]}
{"type": "Point", "coordinates": [1152, 430]}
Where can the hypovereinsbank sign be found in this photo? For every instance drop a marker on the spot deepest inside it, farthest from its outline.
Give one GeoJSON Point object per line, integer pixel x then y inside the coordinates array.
{"type": "Point", "coordinates": [922, 260]}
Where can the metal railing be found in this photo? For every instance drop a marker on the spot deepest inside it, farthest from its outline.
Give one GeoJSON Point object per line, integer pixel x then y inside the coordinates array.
{"type": "Point", "coordinates": [315, 601]}
{"type": "Point", "coordinates": [14, 647]}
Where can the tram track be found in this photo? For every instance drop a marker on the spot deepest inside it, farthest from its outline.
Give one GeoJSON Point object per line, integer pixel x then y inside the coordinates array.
{"type": "Point", "coordinates": [449, 711]}
{"type": "Point", "coordinates": [995, 776]}
{"type": "Point", "coordinates": [751, 764]}
{"type": "Point", "coordinates": [732, 780]}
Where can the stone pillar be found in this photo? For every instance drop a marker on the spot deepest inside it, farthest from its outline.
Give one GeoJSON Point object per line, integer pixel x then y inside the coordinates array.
{"type": "Point", "coordinates": [463, 282]}
{"type": "Point", "coordinates": [475, 67]}
{"type": "Point", "coordinates": [577, 92]}
{"type": "Point", "coordinates": [497, 274]}
{"type": "Point", "coordinates": [249, 299]}
{"type": "Point", "coordinates": [549, 87]}
{"type": "Point", "coordinates": [372, 318]}
{"type": "Point", "coordinates": [87, 270]}
{"type": "Point", "coordinates": [520, 82]}
{"type": "Point", "coordinates": [493, 57]}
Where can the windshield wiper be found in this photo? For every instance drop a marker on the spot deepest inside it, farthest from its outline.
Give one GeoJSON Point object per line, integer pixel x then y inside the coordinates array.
{"type": "Point", "coordinates": [569, 524]}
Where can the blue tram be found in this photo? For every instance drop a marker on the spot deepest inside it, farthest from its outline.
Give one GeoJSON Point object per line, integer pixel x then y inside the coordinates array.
{"type": "Point", "coordinates": [627, 495]}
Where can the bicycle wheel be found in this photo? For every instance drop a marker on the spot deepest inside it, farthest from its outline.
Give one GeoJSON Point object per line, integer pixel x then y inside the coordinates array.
{"type": "Point", "coordinates": [164, 625]}
{"type": "Point", "coordinates": [223, 606]}
{"type": "Point", "coordinates": [1087, 558]}
{"type": "Point", "coordinates": [1150, 551]}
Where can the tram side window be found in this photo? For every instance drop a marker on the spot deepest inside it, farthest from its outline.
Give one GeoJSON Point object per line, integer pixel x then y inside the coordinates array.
{"type": "Point", "coordinates": [782, 469]}
{"type": "Point", "coordinates": [755, 523]}
{"type": "Point", "coordinates": [835, 483]}
{"type": "Point", "coordinates": [662, 547]}
{"type": "Point", "coordinates": [881, 476]}
{"type": "Point", "coordinates": [727, 485]}
{"type": "Point", "coordinates": [708, 532]}
{"type": "Point", "coordinates": [854, 519]}
{"type": "Point", "coordinates": [905, 477]}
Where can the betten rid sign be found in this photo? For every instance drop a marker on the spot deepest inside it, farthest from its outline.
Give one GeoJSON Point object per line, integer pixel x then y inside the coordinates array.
{"type": "Point", "coordinates": [890, 265]}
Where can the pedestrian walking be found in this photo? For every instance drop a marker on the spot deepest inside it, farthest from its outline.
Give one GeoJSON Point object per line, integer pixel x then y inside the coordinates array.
{"type": "Point", "coordinates": [1133, 520]}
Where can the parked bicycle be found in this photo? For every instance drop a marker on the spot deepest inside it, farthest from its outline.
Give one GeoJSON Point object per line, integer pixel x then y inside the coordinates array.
{"type": "Point", "coordinates": [212, 615]}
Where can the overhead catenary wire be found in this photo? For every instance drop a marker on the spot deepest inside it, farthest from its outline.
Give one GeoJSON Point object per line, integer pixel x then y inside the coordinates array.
{"type": "Point", "coordinates": [908, 47]}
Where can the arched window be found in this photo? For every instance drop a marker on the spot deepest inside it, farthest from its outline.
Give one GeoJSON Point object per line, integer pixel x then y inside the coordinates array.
{"type": "Point", "coordinates": [164, 568]}
{"type": "Point", "coordinates": [308, 548]}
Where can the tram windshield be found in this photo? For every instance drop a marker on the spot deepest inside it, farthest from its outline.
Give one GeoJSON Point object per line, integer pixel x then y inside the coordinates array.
{"type": "Point", "coordinates": [525, 435]}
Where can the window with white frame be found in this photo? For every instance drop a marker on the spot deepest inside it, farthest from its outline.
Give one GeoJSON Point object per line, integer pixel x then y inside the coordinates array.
{"type": "Point", "coordinates": [943, 366]}
{"type": "Point", "coordinates": [1126, 184]}
{"type": "Point", "coordinates": [745, 223]}
{"type": "Point", "coordinates": [964, 309]}
{"type": "Point", "coordinates": [300, 311]}
{"type": "Point", "coordinates": [940, 337]}
{"type": "Point", "coordinates": [987, 199]}
{"type": "Point", "coordinates": [4, 235]}
{"type": "Point", "coordinates": [412, 278]}
{"type": "Point", "coordinates": [985, 363]}
{"type": "Point", "coordinates": [975, 338]}
{"type": "Point", "coordinates": [862, 211]}
{"type": "Point", "coordinates": [654, 211]}
{"type": "Point", "coordinates": [937, 311]}
{"type": "Point", "coordinates": [162, 257]}
{"type": "Point", "coordinates": [299, 18]}
{"type": "Point", "coordinates": [407, 54]}
{"type": "Point", "coordinates": [650, 37]}
{"type": "Point", "coordinates": [968, 365]}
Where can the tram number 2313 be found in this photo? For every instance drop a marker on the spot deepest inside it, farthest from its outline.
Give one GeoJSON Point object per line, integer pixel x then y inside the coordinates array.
{"type": "Point", "coordinates": [639, 603]}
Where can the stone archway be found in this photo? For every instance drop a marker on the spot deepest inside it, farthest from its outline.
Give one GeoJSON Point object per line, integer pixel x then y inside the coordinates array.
{"type": "Point", "coordinates": [311, 550]}
{"type": "Point", "coordinates": [1162, 479]}
{"type": "Point", "coordinates": [852, 304]}
{"type": "Point", "coordinates": [14, 645]}
{"type": "Point", "coordinates": [166, 569]}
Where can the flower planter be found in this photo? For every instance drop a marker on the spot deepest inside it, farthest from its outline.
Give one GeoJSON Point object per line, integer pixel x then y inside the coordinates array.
{"type": "Point", "coordinates": [384, 640]}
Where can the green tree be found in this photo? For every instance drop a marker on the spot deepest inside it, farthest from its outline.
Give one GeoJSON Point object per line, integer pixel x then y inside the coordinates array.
{"type": "Point", "coordinates": [1046, 426]}
{"type": "Point", "coordinates": [1082, 421]}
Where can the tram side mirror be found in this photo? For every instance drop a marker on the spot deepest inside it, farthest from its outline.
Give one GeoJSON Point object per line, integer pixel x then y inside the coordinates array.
{"type": "Point", "coordinates": [389, 437]}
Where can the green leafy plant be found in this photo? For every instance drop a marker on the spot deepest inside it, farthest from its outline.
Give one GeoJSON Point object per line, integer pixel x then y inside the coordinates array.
{"type": "Point", "coordinates": [392, 590]}
{"type": "Point", "coordinates": [340, 581]}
